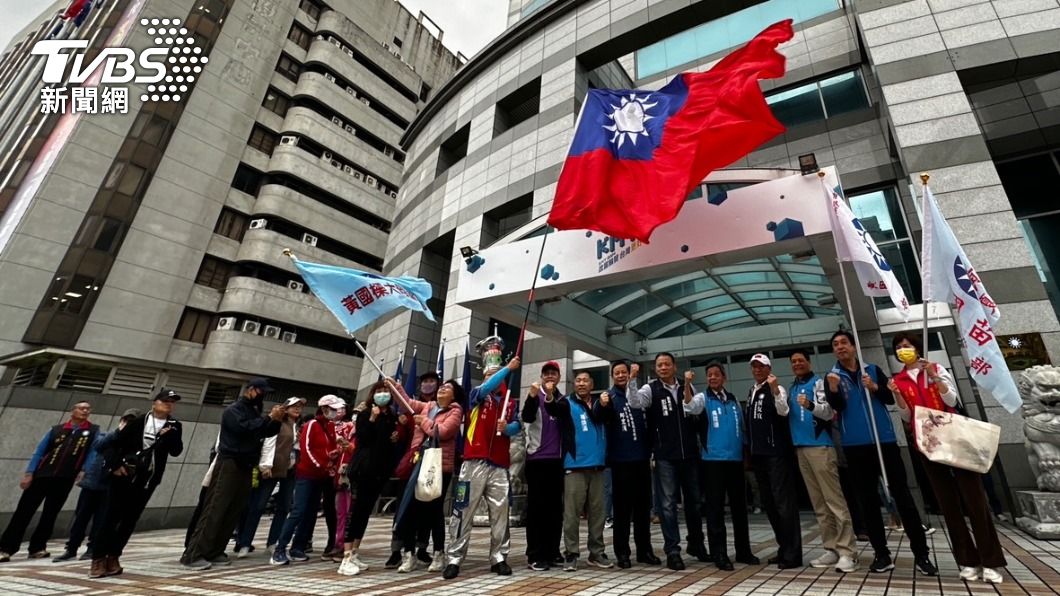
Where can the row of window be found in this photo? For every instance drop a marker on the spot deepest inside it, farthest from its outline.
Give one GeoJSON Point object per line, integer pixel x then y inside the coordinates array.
{"type": "Point", "coordinates": [196, 326]}
{"type": "Point", "coordinates": [818, 100]}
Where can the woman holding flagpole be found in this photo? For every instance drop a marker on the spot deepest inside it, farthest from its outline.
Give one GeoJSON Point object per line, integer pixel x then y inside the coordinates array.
{"type": "Point", "coordinates": [959, 492]}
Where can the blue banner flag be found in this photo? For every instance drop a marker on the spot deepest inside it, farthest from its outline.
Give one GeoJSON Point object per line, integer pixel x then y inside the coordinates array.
{"type": "Point", "coordinates": [412, 381]}
{"type": "Point", "coordinates": [440, 369]}
{"type": "Point", "coordinates": [357, 298]}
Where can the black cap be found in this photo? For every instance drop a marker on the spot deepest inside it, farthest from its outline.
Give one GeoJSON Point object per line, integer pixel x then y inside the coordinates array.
{"type": "Point", "coordinates": [167, 395]}
{"type": "Point", "coordinates": [259, 383]}
{"type": "Point", "coordinates": [430, 375]}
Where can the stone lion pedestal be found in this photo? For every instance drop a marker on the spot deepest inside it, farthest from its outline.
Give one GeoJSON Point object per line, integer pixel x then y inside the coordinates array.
{"type": "Point", "coordinates": [1040, 388]}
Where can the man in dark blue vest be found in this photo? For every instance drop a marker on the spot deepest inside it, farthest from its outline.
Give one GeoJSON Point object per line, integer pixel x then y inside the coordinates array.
{"type": "Point", "coordinates": [672, 435]}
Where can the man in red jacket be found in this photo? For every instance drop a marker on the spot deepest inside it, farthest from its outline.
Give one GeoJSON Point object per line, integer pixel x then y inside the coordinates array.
{"type": "Point", "coordinates": [484, 473]}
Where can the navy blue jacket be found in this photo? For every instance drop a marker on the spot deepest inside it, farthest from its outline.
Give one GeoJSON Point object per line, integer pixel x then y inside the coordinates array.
{"type": "Point", "coordinates": [627, 431]}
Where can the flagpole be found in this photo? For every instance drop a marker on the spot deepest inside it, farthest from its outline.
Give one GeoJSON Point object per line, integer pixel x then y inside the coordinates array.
{"type": "Point", "coordinates": [530, 298]}
{"type": "Point", "coordinates": [924, 177]}
{"type": "Point", "coordinates": [861, 357]}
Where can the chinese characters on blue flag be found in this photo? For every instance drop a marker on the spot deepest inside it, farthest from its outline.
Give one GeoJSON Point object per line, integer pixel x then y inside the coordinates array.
{"type": "Point", "coordinates": [357, 298]}
{"type": "Point", "coordinates": [950, 278]}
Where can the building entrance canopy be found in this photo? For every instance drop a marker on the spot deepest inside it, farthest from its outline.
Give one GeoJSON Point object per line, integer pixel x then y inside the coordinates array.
{"type": "Point", "coordinates": [754, 256]}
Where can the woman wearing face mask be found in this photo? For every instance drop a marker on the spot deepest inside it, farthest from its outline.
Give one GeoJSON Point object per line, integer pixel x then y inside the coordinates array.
{"type": "Point", "coordinates": [314, 472]}
{"type": "Point", "coordinates": [345, 431]}
{"type": "Point", "coordinates": [372, 464]}
{"type": "Point", "coordinates": [959, 492]}
{"type": "Point", "coordinates": [439, 421]}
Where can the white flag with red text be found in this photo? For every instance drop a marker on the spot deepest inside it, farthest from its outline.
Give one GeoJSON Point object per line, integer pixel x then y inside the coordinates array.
{"type": "Point", "coordinates": [949, 277]}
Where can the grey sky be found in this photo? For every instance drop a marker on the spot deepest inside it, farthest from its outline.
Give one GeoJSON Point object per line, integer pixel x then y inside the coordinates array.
{"type": "Point", "coordinates": [468, 24]}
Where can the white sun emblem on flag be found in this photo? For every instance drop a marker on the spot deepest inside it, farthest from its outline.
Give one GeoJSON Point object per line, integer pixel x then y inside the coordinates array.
{"type": "Point", "coordinates": [629, 118]}
{"type": "Point", "coordinates": [1015, 343]}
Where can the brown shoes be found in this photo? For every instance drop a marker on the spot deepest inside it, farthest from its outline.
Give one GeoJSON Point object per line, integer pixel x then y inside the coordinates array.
{"type": "Point", "coordinates": [105, 567]}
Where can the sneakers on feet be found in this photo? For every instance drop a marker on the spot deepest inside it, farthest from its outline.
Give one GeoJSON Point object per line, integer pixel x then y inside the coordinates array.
{"type": "Point", "coordinates": [609, 523]}
{"type": "Point", "coordinates": [242, 552]}
{"type": "Point", "coordinates": [928, 530]}
{"type": "Point", "coordinates": [539, 566]}
{"type": "Point", "coordinates": [451, 571]}
{"type": "Point", "coordinates": [41, 554]}
{"type": "Point", "coordinates": [297, 556]}
{"type": "Point", "coordinates": [602, 561]}
{"type": "Point", "coordinates": [437, 562]}
{"type": "Point", "coordinates": [828, 559]}
{"type": "Point", "coordinates": [501, 568]}
{"type": "Point", "coordinates": [408, 563]}
{"type": "Point", "coordinates": [394, 561]}
{"type": "Point", "coordinates": [969, 574]}
{"type": "Point", "coordinates": [221, 559]}
{"type": "Point", "coordinates": [926, 567]}
{"type": "Point", "coordinates": [348, 567]}
{"type": "Point", "coordinates": [197, 565]}
{"type": "Point", "coordinates": [67, 555]}
{"type": "Point", "coordinates": [360, 564]}
{"type": "Point", "coordinates": [4, 557]}
{"type": "Point", "coordinates": [570, 563]}
{"type": "Point", "coordinates": [881, 564]}
{"type": "Point", "coordinates": [992, 576]}
{"type": "Point", "coordinates": [846, 564]}
{"type": "Point", "coordinates": [279, 557]}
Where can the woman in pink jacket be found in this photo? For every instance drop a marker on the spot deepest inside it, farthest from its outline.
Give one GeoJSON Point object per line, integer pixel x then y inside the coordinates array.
{"type": "Point", "coordinates": [432, 419]}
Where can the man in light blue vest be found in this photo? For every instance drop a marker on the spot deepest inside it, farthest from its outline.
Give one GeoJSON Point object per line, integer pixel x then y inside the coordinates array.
{"type": "Point", "coordinates": [582, 424]}
{"type": "Point", "coordinates": [811, 420]}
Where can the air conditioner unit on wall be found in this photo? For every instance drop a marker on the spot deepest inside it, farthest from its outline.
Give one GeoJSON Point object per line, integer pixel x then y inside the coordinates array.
{"type": "Point", "coordinates": [336, 164]}
{"type": "Point", "coordinates": [351, 91]}
{"type": "Point", "coordinates": [349, 52]}
{"type": "Point", "coordinates": [309, 239]}
{"type": "Point", "coordinates": [349, 170]}
{"type": "Point", "coordinates": [366, 101]}
{"type": "Point", "coordinates": [386, 46]}
{"type": "Point", "coordinates": [288, 140]}
{"type": "Point", "coordinates": [295, 285]}
{"type": "Point", "coordinates": [357, 175]}
{"type": "Point", "coordinates": [369, 180]}
{"type": "Point", "coordinates": [393, 194]}
{"type": "Point", "coordinates": [326, 156]}
{"type": "Point", "coordinates": [272, 332]}
{"type": "Point", "coordinates": [250, 327]}
{"type": "Point", "coordinates": [289, 337]}
{"type": "Point", "coordinates": [350, 129]}
{"type": "Point", "coordinates": [336, 120]}
{"type": "Point", "coordinates": [257, 224]}
{"type": "Point", "coordinates": [226, 323]}
{"type": "Point", "coordinates": [329, 77]}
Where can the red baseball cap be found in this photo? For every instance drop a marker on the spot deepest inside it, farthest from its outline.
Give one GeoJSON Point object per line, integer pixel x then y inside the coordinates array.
{"type": "Point", "coordinates": [551, 364]}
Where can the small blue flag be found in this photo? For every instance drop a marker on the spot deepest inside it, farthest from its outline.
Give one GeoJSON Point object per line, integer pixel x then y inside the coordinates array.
{"type": "Point", "coordinates": [412, 380]}
{"type": "Point", "coordinates": [399, 374]}
{"type": "Point", "coordinates": [357, 298]}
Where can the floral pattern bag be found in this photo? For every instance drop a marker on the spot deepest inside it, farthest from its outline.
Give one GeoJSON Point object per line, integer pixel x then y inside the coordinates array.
{"type": "Point", "coordinates": [954, 440]}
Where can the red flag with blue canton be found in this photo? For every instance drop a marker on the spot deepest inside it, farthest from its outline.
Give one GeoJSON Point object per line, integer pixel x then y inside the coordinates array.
{"type": "Point", "coordinates": [636, 155]}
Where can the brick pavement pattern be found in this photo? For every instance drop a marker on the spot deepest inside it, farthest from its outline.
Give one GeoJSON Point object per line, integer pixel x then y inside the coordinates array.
{"type": "Point", "coordinates": [151, 567]}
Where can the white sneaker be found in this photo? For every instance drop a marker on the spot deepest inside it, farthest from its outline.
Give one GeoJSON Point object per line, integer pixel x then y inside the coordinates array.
{"type": "Point", "coordinates": [991, 576]}
{"type": "Point", "coordinates": [408, 562]}
{"type": "Point", "coordinates": [242, 552]}
{"type": "Point", "coordinates": [348, 566]}
{"type": "Point", "coordinates": [438, 562]}
{"type": "Point", "coordinates": [969, 574]}
{"type": "Point", "coordinates": [846, 564]}
{"type": "Point", "coordinates": [359, 563]}
{"type": "Point", "coordinates": [828, 559]}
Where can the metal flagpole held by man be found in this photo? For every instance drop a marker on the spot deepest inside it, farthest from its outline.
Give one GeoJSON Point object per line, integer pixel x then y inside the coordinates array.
{"type": "Point", "coordinates": [924, 294]}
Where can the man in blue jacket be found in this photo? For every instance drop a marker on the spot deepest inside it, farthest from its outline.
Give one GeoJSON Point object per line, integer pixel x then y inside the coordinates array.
{"type": "Point", "coordinates": [860, 426]}
{"type": "Point", "coordinates": [722, 469]}
{"type": "Point", "coordinates": [811, 422]}
{"type": "Point", "coordinates": [629, 457]}
{"type": "Point", "coordinates": [584, 457]}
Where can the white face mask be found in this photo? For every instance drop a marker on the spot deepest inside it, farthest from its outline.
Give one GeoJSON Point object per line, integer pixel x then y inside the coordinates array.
{"type": "Point", "coordinates": [331, 413]}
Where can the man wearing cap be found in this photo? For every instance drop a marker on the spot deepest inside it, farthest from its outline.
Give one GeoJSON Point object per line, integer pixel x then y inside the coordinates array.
{"type": "Point", "coordinates": [93, 498]}
{"type": "Point", "coordinates": [314, 476]}
{"type": "Point", "coordinates": [769, 438]}
{"type": "Point", "coordinates": [544, 473]}
{"type": "Point", "coordinates": [136, 461]}
{"type": "Point", "coordinates": [243, 430]}
{"type": "Point", "coordinates": [49, 477]}
{"type": "Point", "coordinates": [275, 468]}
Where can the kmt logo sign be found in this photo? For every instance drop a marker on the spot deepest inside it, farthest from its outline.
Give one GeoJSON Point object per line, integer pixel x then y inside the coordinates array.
{"type": "Point", "coordinates": [168, 69]}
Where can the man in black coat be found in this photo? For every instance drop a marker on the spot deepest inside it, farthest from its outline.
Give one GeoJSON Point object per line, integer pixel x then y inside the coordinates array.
{"type": "Point", "coordinates": [136, 461]}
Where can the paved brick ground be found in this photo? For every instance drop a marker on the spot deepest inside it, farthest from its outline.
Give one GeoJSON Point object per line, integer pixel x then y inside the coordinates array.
{"type": "Point", "coordinates": [151, 568]}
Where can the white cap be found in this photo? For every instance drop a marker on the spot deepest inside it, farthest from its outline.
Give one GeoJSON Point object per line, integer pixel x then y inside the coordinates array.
{"type": "Point", "coordinates": [331, 401]}
{"type": "Point", "coordinates": [293, 401]}
{"type": "Point", "coordinates": [761, 359]}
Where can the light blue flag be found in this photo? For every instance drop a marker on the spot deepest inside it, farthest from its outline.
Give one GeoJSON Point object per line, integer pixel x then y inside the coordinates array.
{"type": "Point", "coordinates": [357, 298]}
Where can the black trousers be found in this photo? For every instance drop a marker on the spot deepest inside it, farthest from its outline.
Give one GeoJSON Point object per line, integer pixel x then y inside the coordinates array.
{"type": "Point", "coordinates": [195, 515]}
{"type": "Point", "coordinates": [544, 509]}
{"type": "Point", "coordinates": [961, 494]}
{"type": "Point", "coordinates": [846, 482]}
{"type": "Point", "coordinates": [776, 482]}
{"type": "Point", "coordinates": [90, 509]}
{"type": "Point", "coordinates": [864, 463]}
{"type": "Point", "coordinates": [226, 498]}
{"type": "Point", "coordinates": [330, 516]}
{"type": "Point", "coordinates": [368, 491]}
{"type": "Point", "coordinates": [720, 479]}
{"type": "Point", "coordinates": [631, 501]}
{"type": "Point", "coordinates": [126, 501]}
{"type": "Point", "coordinates": [425, 519]}
{"type": "Point", "coordinates": [52, 492]}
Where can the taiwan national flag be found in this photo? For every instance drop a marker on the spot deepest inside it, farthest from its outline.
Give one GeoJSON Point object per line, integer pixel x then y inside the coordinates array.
{"type": "Point", "coordinates": [636, 155]}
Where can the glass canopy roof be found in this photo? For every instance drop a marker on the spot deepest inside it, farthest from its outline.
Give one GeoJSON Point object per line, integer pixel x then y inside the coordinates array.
{"type": "Point", "coordinates": [758, 292]}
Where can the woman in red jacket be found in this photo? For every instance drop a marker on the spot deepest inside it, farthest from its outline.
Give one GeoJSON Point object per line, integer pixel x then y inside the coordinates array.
{"type": "Point", "coordinates": [959, 492]}
{"type": "Point", "coordinates": [438, 421]}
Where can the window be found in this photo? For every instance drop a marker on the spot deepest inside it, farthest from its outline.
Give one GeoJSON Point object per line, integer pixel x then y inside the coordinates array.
{"type": "Point", "coordinates": [519, 106]}
{"type": "Point", "coordinates": [310, 8]}
{"type": "Point", "coordinates": [288, 67]}
{"type": "Point", "coordinates": [247, 179]}
{"type": "Point", "coordinates": [425, 91]}
{"type": "Point", "coordinates": [397, 42]}
{"type": "Point", "coordinates": [195, 325]}
{"type": "Point", "coordinates": [501, 221]}
{"type": "Point", "coordinates": [99, 233]}
{"type": "Point", "coordinates": [300, 36]}
{"type": "Point", "coordinates": [721, 34]}
{"type": "Point", "coordinates": [231, 224]}
{"type": "Point", "coordinates": [213, 10]}
{"type": "Point", "coordinates": [820, 99]}
{"type": "Point", "coordinates": [276, 102]}
{"type": "Point", "coordinates": [880, 212]}
{"type": "Point", "coordinates": [263, 140]}
{"type": "Point", "coordinates": [214, 273]}
{"type": "Point", "coordinates": [453, 149]}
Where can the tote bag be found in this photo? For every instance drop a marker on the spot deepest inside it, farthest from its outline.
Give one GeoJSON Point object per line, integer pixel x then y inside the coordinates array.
{"type": "Point", "coordinates": [429, 479]}
{"type": "Point", "coordinates": [955, 440]}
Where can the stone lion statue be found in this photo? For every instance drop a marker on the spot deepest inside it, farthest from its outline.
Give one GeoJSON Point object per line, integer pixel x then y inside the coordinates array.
{"type": "Point", "coordinates": [1040, 388]}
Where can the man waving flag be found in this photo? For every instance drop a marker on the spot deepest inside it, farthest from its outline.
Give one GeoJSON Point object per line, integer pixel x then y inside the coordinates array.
{"type": "Point", "coordinates": [636, 155]}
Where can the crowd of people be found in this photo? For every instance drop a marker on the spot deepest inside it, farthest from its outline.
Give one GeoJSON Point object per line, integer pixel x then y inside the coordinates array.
{"type": "Point", "coordinates": [689, 444]}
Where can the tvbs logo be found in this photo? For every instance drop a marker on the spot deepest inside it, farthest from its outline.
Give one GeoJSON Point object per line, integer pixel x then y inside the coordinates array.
{"type": "Point", "coordinates": [167, 68]}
